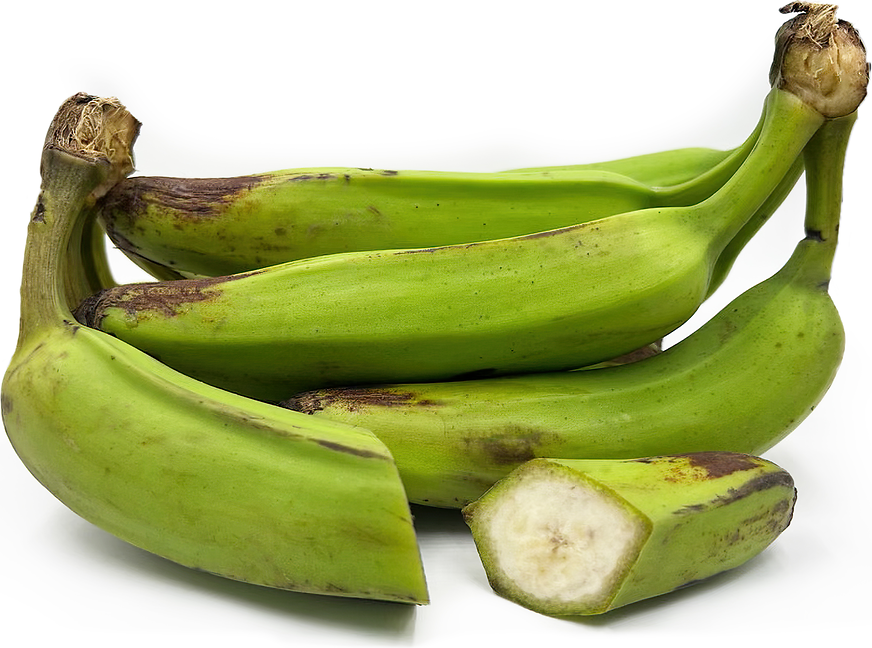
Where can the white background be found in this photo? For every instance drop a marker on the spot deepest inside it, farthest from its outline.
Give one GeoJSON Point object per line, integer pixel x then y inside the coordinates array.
{"type": "Point", "coordinates": [235, 88]}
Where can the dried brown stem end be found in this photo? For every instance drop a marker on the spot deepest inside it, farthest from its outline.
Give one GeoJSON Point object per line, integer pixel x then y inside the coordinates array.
{"type": "Point", "coordinates": [97, 129]}
{"type": "Point", "coordinates": [821, 59]}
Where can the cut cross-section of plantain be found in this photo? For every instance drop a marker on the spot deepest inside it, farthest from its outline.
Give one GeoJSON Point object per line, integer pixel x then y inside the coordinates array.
{"type": "Point", "coordinates": [581, 537]}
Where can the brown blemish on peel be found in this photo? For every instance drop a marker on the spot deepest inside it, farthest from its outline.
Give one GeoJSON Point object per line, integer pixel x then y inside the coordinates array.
{"type": "Point", "coordinates": [713, 464]}
{"type": "Point", "coordinates": [351, 399]}
{"type": "Point", "coordinates": [185, 197]}
{"type": "Point", "coordinates": [254, 423]}
{"type": "Point", "coordinates": [165, 298]}
{"type": "Point", "coordinates": [357, 452]}
{"type": "Point", "coordinates": [505, 451]}
{"type": "Point", "coordinates": [721, 464]}
{"type": "Point", "coordinates": [508, 448]}
{"type": "Point", "coordinates": [302, 177]}
{"type": "Point", "coordinates": [6, 404]}
{"type": "Point", "coordinates": [39, 211]}
{"type": "Point", "coordinates": [780, 479]}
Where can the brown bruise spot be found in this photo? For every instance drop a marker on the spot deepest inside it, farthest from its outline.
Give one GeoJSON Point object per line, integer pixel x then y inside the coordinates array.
{"type": "Point", "coordinates": [779, 479]}
{"type": "Point", "coordinates": [506, 451]}
{"type": "Point", "coordinates": [164, 298]}
{"type": "Point", "coordinates": [721, 464]}
{"type": "Point", "coordinates": [39, 211]}
{"type": "Point", "coordinates": [6, 404]}
{"type": "Point", "coordinates": [186, 197]}
{"type": "Point", "coordinates": [352, 399]}
{"type": "Point", "coordinates": [727, 328]}
{"type": "Point", "coordinates": [303, 177]}
{"type": "Point", "coordinates": [254, 423]}
{"type": "Point", "coordinates": [512, 447]}
{"type": "Point", "coordinates": [706, 465]}
{"type": "Point", "coordinates": [357, 452]}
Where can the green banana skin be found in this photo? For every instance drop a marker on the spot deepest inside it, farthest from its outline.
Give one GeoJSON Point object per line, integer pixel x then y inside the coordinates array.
{"type": "Point", "coordinates": [553, 300]}
{"type": "Point", "coordinates": [662, 168]}
{"type": "Point", "coordinates": [220, 226]}
{"type": "Point", "coordinates": [204, 478]}
{"type": "Point", "coordinates": [215, 256]}
{"type": "Point", "coordinates": [453, 440]}
{"type": "Point", "coordinates": [731, 251]}
{"type": "Point", "coordinates": [582, 537]}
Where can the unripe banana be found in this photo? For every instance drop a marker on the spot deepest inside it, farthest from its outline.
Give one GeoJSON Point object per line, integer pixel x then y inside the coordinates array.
{"type": "Point", "coordinates": [580, 537]}
{"type": "Point", "coordinates": [202, 477]}
{"type": "Point", "coordinates": [453, 440]}
{"type": "Point", "coordinates": [553, 300]}
{"type": "Point", "coordinates": [219, 226]}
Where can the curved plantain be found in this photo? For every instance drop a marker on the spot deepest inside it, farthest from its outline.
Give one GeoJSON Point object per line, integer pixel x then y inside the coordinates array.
{"type": "Point", "coordinates": [202, 477]}
{"type": "Point", "coordinates": [219, 226]}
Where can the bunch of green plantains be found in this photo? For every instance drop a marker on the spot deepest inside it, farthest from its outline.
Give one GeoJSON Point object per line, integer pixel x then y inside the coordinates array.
{"type": "Point", "coordinates": [321, 348]}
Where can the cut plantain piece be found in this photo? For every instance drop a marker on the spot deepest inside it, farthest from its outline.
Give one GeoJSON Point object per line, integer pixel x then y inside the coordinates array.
{"type": "Point", "coordinates": [581, 537]}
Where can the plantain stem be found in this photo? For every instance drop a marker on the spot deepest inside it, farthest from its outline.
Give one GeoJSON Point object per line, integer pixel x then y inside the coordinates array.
{"type": "Point", "coordinates": [698, 188]}
{"type": "Point", "coordinates": [789, 123]}
{"type": "Point", "coordinates": [87, 150]}
{"type": "Point", "coordinates": [820, 59]}
{"type": "Point", "coordinates": [824, 163]}
{"type": "Point", "coordinates": [818, 22]}
{"type": "Point", "coordinates": [819, 67]}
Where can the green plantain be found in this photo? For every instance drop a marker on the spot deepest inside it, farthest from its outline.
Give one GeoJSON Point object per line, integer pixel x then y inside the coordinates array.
{"type": "Point", "coordinates": [205, 478]}
{"type": "Point", "coordinates": [219, 226]}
